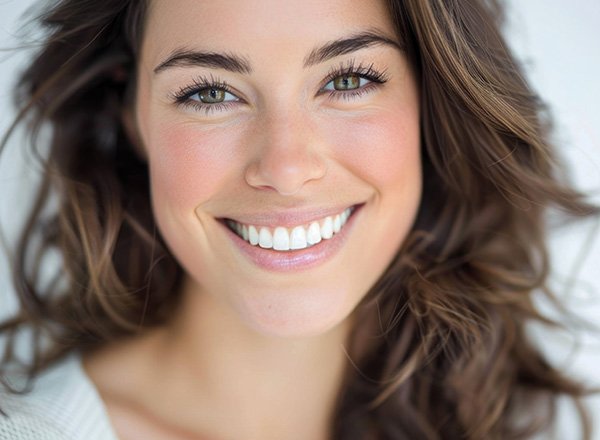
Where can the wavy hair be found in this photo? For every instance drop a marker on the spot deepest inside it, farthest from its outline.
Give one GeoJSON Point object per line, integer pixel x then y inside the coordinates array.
{"type": "Point", "coordinates": [442, 351]}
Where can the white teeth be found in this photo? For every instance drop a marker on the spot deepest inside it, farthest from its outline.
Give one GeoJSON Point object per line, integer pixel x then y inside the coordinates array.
{"type": "Point", "coordinates": [281, 239]}
{"type": "Point", "coordinates": [253, 235]}
{"type": "Point", "coordinates": [314, 233]}
{"type": "Point", "coordinates": [337, 224]}
{"type": "Point", "coordinates": [300, 237]}
{"type": "Point", "coordinates": [327, 228]}
{"type": "Point", "coordinates": [265, 240]}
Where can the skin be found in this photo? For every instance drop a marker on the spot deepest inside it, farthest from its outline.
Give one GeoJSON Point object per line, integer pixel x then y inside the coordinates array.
{"type": "Point", "coordinates": [248, 344]}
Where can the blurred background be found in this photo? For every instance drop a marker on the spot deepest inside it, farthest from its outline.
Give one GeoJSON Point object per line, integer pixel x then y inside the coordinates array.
{"type": "Point", "coordinates": [558, 43]}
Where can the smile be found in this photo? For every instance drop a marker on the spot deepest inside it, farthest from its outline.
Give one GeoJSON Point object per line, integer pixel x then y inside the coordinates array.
{"type": "Point", "coordinates": [281, 238]}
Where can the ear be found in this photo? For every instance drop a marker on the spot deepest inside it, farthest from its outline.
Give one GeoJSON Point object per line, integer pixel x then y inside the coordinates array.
{"type": "Point", "coordinates": [131, 131]}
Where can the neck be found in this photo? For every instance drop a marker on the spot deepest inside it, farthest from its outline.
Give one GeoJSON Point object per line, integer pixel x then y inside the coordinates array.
{"type": "Point", "coordinates": [264, 386]}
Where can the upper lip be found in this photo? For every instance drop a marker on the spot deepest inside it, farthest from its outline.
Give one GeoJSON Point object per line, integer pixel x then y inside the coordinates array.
{"type": "Point", "coordinates": [287, 218]}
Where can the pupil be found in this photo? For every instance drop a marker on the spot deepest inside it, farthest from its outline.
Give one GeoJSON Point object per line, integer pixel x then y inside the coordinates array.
{"type": "Point", "coordinates": [212, 95]}
{"type": "Point", "coordinates": [347, 82]}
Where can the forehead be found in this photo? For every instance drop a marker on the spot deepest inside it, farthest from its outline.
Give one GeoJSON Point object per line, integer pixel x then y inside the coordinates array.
{"type": "Point", "coordinates": [257, 27]}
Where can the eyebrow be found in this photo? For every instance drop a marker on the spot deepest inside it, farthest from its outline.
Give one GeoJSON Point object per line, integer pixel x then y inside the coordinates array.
{"type": "Point", "coordinates": [188, 58]}
{"type": "Point", "coordinates": [235, 63]}
{"type": "Point", "coordinates": [350, 44]}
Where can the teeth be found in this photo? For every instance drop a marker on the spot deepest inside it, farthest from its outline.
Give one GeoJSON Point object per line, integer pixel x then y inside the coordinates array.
{"type": "Point", "coordinates": [281, 239]}
{"type": "Point", "coordinates": [252, 235]}
{"type": "Point", "coordinates": [337, 224]}
{"type": "Point", "coordinates": [314, 233]}
{"type": "Point", "coordinates": [327, 228]}
{"type": "Point", "coordinates": [265, 239]}
{"type": "Point", "coordinates": [299, 237]}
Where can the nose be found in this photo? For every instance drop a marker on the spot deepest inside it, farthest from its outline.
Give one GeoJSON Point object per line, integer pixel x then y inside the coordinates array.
{"type": "Point", "coordinates": [287, 155]}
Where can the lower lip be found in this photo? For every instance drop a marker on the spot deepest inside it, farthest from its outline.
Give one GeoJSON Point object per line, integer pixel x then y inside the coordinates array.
{"type": "Point", "coordinates": [292, 261]}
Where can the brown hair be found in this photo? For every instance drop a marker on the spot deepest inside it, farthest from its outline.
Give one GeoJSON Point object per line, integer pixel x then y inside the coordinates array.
{"type": "Point", "coordinates": [441, 352]}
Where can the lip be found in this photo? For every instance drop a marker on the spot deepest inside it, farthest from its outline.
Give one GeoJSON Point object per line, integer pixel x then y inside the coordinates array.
{"type": "Point", "coordinates": [297, 260]}
{"type": "Point", "coordinates": [287, 219]}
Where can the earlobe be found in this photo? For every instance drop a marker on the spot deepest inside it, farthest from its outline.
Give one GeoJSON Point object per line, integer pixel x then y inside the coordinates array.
{"type": "Point", "coordinates": [130, 127]}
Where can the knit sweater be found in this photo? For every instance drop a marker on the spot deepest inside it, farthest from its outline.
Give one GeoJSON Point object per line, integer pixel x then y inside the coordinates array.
{"type": "Point", "coordinates": [63, 405]}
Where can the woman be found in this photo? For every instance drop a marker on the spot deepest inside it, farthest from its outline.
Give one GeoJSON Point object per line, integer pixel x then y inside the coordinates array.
{"type": "Point", "coordinates": [286, 220]}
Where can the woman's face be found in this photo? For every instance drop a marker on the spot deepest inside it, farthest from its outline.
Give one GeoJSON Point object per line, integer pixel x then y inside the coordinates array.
{"type": "Point", "coordinates": [279, 118]}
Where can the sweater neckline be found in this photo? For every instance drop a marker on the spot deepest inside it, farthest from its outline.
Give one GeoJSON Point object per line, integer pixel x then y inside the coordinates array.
{"type": "Point", "coordinates": [74, 402]}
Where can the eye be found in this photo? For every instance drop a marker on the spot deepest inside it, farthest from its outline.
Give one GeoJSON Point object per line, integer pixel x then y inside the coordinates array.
{"type": "Point", "coordinates": [206, 94]}
{"type": "Point", "coordinates": [213, 95]}
{"type": "Point", "coordinates": [349, 81]}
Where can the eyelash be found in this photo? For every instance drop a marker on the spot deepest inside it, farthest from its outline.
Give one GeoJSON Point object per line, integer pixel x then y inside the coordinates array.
{"type": "Point", "coordinates": [376, 78]}
{"type": "Point", "coordinates": [182, 97]}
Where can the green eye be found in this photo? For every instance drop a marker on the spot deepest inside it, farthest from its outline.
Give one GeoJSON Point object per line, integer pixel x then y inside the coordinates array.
{"type": "Point", "coordinates": [211, 95]}
{"type": "Point", "coordinates": [207, 94]}
{"type": "Point", "coordinates": [350, 81]}
{"type": "Point", "coordinates": [346, 82]}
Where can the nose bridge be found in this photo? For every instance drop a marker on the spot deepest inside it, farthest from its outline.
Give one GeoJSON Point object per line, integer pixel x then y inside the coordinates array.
{"type": "Point", "coordinates": [287, 152]}
{"type": "Point", "coordinates": [287, 132]}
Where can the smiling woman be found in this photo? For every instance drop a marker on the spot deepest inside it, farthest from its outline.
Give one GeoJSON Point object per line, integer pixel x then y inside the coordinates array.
{"type": "Point", "coordinates": [273, 137]}
{"type": "Point", "coordinates": [284, 220]}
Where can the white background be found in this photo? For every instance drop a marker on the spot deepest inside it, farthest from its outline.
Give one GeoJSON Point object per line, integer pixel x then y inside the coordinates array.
{"type": "Point", "coordinates": [559, 45]}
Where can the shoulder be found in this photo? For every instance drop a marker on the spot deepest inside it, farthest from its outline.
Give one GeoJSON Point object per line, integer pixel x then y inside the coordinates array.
{"type": "Point", "coordinates": [61, 405]}
{"type": "Point", "coordinates": [26, 426]}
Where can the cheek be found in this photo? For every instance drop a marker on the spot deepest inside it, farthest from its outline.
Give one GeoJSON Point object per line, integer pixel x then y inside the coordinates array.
{"type": "Point", "coordinates": [188, 165]}
{"type": "Point", "coordinates": [383, 151]}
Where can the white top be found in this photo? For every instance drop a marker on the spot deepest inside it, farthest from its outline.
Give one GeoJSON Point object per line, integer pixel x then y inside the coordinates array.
{"type": "Point", "coordinates": [63, 405]}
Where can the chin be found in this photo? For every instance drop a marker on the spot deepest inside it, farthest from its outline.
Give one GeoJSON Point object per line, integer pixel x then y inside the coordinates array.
{"type": "Point", "coordinates": [296, 313]}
